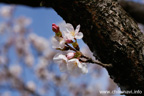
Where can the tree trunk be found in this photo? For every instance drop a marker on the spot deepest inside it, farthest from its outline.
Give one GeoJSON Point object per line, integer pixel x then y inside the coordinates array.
{"type": "Point", "coordinates": [136, 10]}
{"type": "Point", "coordinates": [111, 34]}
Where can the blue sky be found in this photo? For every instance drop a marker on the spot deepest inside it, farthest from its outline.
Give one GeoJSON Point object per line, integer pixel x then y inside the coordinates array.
{"type": "Point", "coordinates": [42, 19]}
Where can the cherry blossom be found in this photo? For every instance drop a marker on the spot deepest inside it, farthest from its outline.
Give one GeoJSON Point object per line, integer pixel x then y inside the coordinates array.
{"type": "Point", "coordinates": [62, 61]}
{"type": "Point", "coordinates": [31, 85]}
{"type": "Point", "coordinates": [66, 40]}
{"type": "Point", "coordinates": [2, 60]}
{"type": "Point", "coordinates": [75, 66]}
{"type": "Point", "coordinates": [15, 70]}
{"type": "Point", "coordinates": [23, 21]}
{"type": "Point", "coordinates": [29, 60]}
{"type": "Point", "coordinates": [58, 42]}
{"type": "Point", "coordinates": [68, 62]}
{"type": "Point", "coordinates": [3, 27]}
{"type": "Point", "coordinates": [71, 33]}
{"type": "Point", "coordinates": [41, 44]}
{"type": "Point", "coordinates": [6, 11]}
{"type": "Point", "coordinates": [35, 62]}
{"type": "Point", "coordinates": [70, 55]}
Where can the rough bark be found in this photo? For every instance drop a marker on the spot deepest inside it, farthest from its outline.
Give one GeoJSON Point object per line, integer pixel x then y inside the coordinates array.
{"type": "Point", "coordinates": [136, 10]}
{"type": "Point", "coordinates": [111, 34]}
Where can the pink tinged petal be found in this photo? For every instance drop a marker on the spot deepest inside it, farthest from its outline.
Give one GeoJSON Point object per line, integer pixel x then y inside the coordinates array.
{"type": "Point", "coordinates": [77, 29]}
{"type": "Point", "coordinates": [68, 38]}
{"type": "Point", "coordinates": [70, 55]}
{"type": "Point", "coordinates": [79, 35]}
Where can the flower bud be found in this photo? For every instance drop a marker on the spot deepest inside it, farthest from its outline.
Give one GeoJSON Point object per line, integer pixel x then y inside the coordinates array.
{"type": "Point", "coordinates": [55, 28]}
{"type": "Point", "coordinates": [70, 55]}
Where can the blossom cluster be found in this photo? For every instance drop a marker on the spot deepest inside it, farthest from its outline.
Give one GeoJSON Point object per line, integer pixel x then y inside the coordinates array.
{"type": "Point", "coordinates": [66, 40]}
{"type": "Point", "coordinates": [26, 61]}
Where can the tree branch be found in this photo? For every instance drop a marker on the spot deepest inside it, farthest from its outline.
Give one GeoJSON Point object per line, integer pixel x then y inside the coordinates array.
{"type": "Point", "coordinates": [133, 8]}
{"type": "Point", "coordinates": [31, 3]}
{"type": "Point", "coordinates": [111, 35]}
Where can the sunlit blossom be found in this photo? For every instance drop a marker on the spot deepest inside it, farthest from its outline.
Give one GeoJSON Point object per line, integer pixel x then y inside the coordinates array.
{"type": "Point", "coordinates": [58, 42]}
{"type": "Point", "coordinates": [71, 33]}
{"type": "Point", "coordinates": [75, 66]}
{"type": "Point", "coordinates": [62, 61]}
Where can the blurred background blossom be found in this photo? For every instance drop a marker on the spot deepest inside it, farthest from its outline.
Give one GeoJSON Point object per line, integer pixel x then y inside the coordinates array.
{"type": "Point", "coordinates": [26, 66]}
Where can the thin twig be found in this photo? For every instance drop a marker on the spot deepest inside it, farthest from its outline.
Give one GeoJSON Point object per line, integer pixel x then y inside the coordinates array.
{"type": "Point", "coordinates": [71, 47]}
{"type": "Point", "coordinates": [89, 60]}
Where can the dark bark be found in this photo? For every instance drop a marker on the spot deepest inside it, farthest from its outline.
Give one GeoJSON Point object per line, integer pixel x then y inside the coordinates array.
{"type": "Point", "coordinates": [111, 34]}
{"type": "Point", "coordinates": [136, 10]}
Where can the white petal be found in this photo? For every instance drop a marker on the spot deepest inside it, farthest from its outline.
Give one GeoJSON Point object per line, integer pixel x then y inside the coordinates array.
{"type": "Point", "coordinates": [71, 64]}
{"type": "Point", "coordinates": [62, 44]}
{"type": "Point", "coordinates": [58, 42]}
{"type": "Point", "coordinates": [58, 58]}
{"type": "Point", "coordinates": [79, 35]}
{"type": "Point", "coordinates": [84, 68]}
{"type": "Point", "coordinates": [55, 43]}
{"type": "Point", "coordinates": [77, 29]}
{"type": "Point", "coordinates": [69, 27]}
{"type": "Point", "coordinates": [79, 64]}
{"type": "Point", "coordinates": [68, 36]}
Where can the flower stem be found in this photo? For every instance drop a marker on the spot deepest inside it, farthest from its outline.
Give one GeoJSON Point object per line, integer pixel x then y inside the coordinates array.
{"type": "Point", "coordinates": [71, 48]}
{"type": "Point", "coordinates": [89, 60]}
